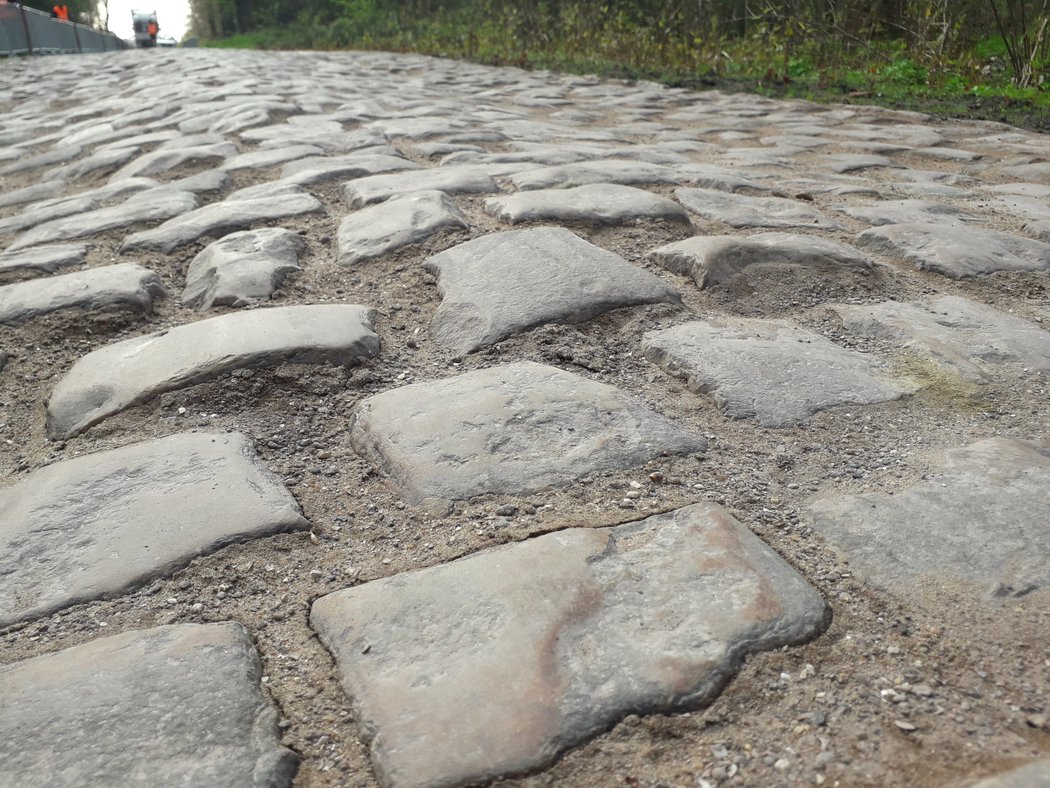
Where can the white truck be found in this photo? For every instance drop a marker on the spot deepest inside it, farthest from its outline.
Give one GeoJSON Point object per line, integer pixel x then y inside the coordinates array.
{"type": "Point", "coordinates": [145, 25]}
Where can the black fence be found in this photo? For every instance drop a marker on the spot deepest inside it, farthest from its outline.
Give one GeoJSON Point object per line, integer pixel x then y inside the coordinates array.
{"type": "Point", "coordinates": [26, 31]}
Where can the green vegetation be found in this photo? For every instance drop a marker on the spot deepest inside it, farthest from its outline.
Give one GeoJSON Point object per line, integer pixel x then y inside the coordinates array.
{"type": "Point", "coordinates": [934, 55]}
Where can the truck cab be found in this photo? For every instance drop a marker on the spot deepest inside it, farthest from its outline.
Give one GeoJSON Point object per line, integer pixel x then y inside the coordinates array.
{"type": "Point", "coordinates": [145, 26]}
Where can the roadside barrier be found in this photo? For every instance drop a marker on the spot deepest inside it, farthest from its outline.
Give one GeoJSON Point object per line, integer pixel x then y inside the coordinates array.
{"type": "Point", "coordinates": [26, 31]}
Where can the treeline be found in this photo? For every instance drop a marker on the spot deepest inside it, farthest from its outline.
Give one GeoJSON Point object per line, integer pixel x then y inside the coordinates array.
{"type": "Point", "coordinates": [647, 34]}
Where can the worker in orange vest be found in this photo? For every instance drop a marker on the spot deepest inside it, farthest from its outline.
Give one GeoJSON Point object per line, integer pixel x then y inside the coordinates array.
{"type": "Point", "coordinates": [60, 12]}
{"type": "Point", "coordinates": [153, 29]}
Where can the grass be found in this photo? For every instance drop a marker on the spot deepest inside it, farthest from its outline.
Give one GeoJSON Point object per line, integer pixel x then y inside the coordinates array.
{"type": "Point", "coordinates": [260, 39]}
{"type": "Point", "coordinates": [905, 85]}
{"type": "Point", "coordinates": [975, 85]}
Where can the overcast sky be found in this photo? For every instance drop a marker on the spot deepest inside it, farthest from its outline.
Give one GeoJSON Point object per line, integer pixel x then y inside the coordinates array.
{"type": "Point", "coordinates": [171, 16]}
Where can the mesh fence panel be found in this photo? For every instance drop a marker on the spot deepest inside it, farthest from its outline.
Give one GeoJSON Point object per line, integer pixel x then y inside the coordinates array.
{"type": "Point", "coordinates": [12, 31]}
{"type": "Point", "coordinates": [26, 30]}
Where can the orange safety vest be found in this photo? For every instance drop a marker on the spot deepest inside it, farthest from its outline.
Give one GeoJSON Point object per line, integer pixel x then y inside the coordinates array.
{"type": "Point", "coordinates": [152, 29]}
{"type": "Point", "coordinates": [62, 12]}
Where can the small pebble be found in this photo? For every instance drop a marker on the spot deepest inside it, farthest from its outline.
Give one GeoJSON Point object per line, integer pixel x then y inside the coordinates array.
{"type": "Point", "coordinates": [817, 718]}
{"type": "Point", "coordinates": [823, 759]}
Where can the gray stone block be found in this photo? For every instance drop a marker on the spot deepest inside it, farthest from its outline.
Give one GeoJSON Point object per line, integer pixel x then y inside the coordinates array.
{"type": "Point", "coordinates": [163, 160]}
{"type": "Point", "coordinates": [970, 339]}
{"type": "Point", "coordinates": [502, 284]}
{"type": "Point", "coordinates": [114, 377]}
{"type": "Point", "coordinates": [151, 138]}
{"type": "Point", "coordinates": [205, 182]}
{"type": "Point", "coordinates": [97, 162]}
{"type": "Point", "coordinates": [708, 176]}
{"type": "Point", "coordinates": [597, 203]}
{"type": "Point", "coordinates": [905, 212]}
{"type": "Point", "coordinates": [464, 179]}
{"type": "Point", "coordinates": [851, 162]}
{"type": "Point", "coordinates": [949, 154]}
{"type": "Point", "coordinates": [174, 706]}
{"type": "Point", "coordinates": [319, 169]}
{"type": "Point", "coordinates": [781, 157]}
{"type": "Point", "coordinates": [1033, 172]}
{"type": "Point", "coordinates": [494, 664]}
{"type": "Point", "coordinates": [955, 251]}
{"type": "Point", "coordinates": [46, 259]}
{"type": "Point", "coordinates": [712, 259]}
{"type": "Point", "coordinates": [510, 429]}
{"type": "Point", "coordinates": [242, 268]}
{"type": "Point", "coordinates": [601, 171]}
{"type": "Point", "coordinates": [238, 121]}
{"type": "Point", "coordinates": [194, 142]}
{"type": "Point", "coordinates": [1036, 190]}
{"type": "Point", "coordinates": [234, 213]}
{"type": "Point", "coordinates": [1036, 209]}
{"type": "Point", "coordinates": [1032, 775]}
{"type": "Point", "coordinates": [395, 223]}
{"type": "Point", "coordinates": [978, 517]}
{"type": "Point", "coordinates": [154, 205]}
{"type": "Point", "coordinates": [739, 210]}
{"type": "Point", "coordinates": [57, 155]}
{"type": "Point", "coordinates": [261, 159]}
{"type": "Point", "coordinates": [1040, 230]}
{"type": "Point", "coordinates": [806, 185]}
{"type": "Point", "coordinates": [93, 526]}
{"type": "Point", "coordinates": [48, 211]}
{"type": "Point", "coordinates": [769, 371]}
{"type": "Point", "coordinates": [60, 207]}
{"type": "Point", "coordinates": [122, 286]}
{"type": "Point", "coordinates": [420, 128]}
{"type": "Point", "coordinates": [32, 193]}
{"type": "Point", "coordinates": [329, 137]}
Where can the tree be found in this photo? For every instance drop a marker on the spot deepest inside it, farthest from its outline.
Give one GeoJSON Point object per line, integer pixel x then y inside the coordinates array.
{"type": "Point", "coordinates": [1023, 28]}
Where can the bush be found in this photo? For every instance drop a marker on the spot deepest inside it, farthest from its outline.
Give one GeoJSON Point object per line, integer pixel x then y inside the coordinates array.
{"type": "Point", "coordinates": [904, 72]}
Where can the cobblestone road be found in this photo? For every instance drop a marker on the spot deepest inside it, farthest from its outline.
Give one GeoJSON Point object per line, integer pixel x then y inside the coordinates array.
{"type": "Point", "coordinates": [370, 417]}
